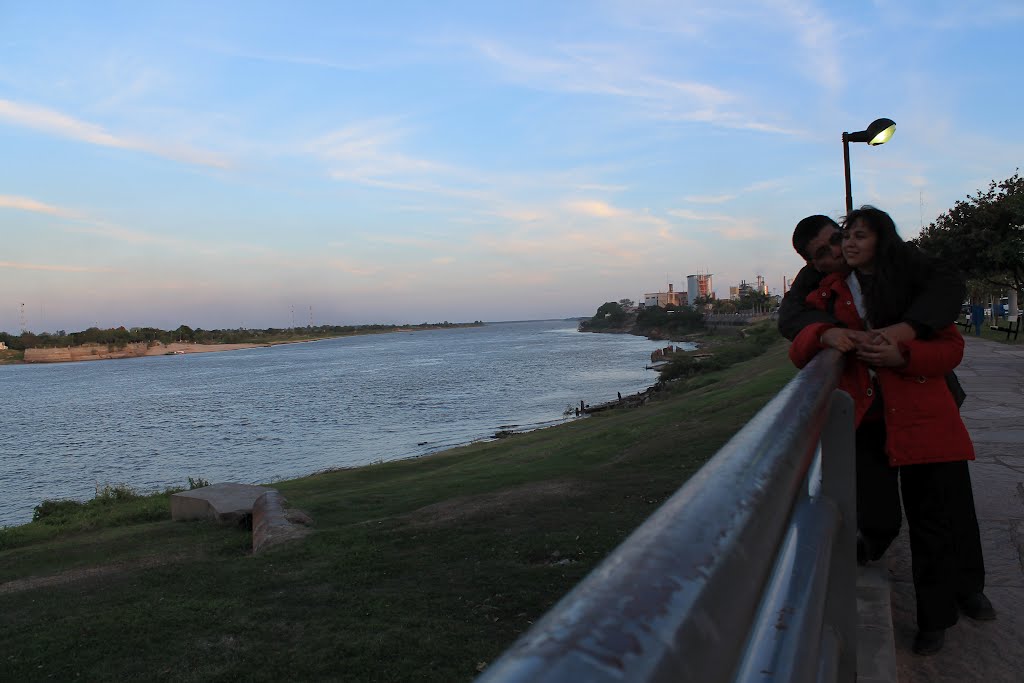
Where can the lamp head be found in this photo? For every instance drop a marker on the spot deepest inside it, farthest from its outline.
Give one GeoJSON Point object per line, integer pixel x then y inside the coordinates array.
{"type": "Point", "coordinates": [880, 131]}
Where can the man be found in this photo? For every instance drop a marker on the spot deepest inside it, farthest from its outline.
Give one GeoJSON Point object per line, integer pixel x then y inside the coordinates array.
{"type": "Point", "coordinates": [938, 293]}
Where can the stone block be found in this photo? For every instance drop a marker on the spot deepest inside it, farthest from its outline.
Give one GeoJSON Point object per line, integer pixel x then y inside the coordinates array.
{"type": "Point", "coordinates": [226, 503]}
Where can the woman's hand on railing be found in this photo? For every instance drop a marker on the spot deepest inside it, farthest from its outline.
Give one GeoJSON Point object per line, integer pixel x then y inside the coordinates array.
{"type": "Point", "coordinates": [841, 338]}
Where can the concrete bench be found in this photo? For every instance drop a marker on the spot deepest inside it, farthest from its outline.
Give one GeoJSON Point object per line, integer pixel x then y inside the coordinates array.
{"type": "Point", "coordinates": [225, 503]}
{"type": "Point", "coordinates": [1012, 326]}
{"type": "Point", "coordinates": [264, 507]}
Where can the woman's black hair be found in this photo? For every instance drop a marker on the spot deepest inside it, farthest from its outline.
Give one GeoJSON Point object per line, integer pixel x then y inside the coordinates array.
{"type": "Point", "coordinates": [889, 295]}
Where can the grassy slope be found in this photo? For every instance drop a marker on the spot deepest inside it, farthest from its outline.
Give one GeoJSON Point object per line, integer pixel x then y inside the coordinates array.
{"type": "Point", "coordinates": [419, 570]}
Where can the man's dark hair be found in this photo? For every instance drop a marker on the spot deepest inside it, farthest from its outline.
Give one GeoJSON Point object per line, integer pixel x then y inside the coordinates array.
{"type": "Point", "coordinates": [807, 229]}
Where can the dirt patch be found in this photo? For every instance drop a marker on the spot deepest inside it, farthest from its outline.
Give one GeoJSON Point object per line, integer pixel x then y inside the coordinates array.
{"type": "Point", "coordinates": [85, 573]}
{"type": "Point", "coordinates": [457, 509]}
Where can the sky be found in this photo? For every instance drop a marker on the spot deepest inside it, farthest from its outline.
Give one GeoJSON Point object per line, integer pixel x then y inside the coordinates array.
{"type": "Point", "coordinates": [251, 164]}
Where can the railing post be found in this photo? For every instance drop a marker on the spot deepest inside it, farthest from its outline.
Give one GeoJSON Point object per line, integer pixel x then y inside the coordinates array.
{"type": "Point", "coordinates": [838, 483]}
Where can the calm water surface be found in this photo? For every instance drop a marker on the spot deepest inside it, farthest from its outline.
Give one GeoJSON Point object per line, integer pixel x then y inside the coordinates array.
{"type": "Point", "coordinates": [263, 414]}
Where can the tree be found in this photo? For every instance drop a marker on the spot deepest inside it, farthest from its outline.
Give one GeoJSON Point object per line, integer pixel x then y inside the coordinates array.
{"type": "Point", "coordinates": [983, 235]}
{"type": "Point", "coordinates": [626, 303]}
{"type": "Point", "coordinates": [611, 311]}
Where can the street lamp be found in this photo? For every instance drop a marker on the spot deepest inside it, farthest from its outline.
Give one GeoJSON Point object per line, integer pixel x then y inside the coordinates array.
{"type": "Point", "coordinates": [878, 133]}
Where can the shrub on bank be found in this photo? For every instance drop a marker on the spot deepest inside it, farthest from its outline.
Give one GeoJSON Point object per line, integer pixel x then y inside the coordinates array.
{"type": "Point", "coordinates": [754, 341]}
{"type": "Point", "coordinates": [113, 505]}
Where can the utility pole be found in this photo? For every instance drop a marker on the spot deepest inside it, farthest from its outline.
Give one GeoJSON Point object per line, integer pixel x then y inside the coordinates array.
{"type": "Point", "coordinates": [293, 316]}
{"type": "Point", "coordinates": [311, 317]}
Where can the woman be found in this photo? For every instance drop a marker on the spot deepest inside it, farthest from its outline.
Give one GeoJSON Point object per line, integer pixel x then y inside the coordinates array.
{"type": "Point", "coordinates": [906, 418]}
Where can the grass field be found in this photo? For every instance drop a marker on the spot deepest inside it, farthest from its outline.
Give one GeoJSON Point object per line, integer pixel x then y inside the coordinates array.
{"type": "Point", "coordinates": [418, 570]}
{"type": "Point", "coordinates": [994, 335]}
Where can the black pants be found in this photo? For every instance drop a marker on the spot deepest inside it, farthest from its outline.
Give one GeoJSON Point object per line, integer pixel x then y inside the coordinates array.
{"type": "Point", "coordinates": [878, 490]}
{"type": "Point", "coordinates": [945, 544]}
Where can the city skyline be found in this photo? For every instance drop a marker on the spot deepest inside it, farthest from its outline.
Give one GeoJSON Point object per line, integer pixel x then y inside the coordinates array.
{"type": "Point", "coordinates": [217, 166]}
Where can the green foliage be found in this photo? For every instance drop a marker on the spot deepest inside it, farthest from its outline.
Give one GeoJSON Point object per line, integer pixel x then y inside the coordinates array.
{"type": "Point", "coordinates": [112, 505]}
{"type": "Point", "coordinates": [610, 315]}
{"type": "Point", "coordinates": [755, 341]}
{"type": "Point", "coordinates": [56, 509]}
{"type": "Point", "coordinates": [669, 320]}
{"type": "Point", "coordinates": [983, 235]}
{"type": "Point", "coordinates": [197, 483]}
{"type": "Point", "coordinates": [119, 337]}
{"type": "Point", "coordinates": [115, 493]}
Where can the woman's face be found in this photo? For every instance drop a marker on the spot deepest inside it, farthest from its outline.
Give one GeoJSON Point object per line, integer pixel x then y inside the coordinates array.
{"type": "Point", "coordinates": [859, 242]}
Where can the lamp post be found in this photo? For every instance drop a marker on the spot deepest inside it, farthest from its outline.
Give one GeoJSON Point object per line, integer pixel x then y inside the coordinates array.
{"type": "Point", "coordinates": [878, 133]}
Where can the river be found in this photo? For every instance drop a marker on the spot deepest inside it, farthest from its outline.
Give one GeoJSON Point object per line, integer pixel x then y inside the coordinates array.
{"type": "Point", "coordinates": [264, 414]}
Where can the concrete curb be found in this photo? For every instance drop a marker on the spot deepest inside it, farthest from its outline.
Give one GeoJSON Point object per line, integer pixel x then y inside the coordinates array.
{"type": "Point", "coordinates": [876, 639]}
{"type": "Point", "coordinates": [273, 525]}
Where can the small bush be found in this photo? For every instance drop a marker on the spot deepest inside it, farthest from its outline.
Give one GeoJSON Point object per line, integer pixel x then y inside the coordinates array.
{"type": "Point", "coordinates": [115, 493]}
{"type": "Point", "coordinates": [197, 483]}
{"type": "Point", "coordinates": [49, 510]}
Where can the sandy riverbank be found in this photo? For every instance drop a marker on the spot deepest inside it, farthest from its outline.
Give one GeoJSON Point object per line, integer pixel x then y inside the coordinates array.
{"type": "Point", "coordinates": [69, 354]}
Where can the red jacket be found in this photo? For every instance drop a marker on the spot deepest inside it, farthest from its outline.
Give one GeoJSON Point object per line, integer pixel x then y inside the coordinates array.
{"type": "Point", "coordinates": [922, 421]}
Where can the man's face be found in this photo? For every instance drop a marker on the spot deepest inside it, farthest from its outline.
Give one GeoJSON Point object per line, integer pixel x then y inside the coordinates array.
{"type": "Point", "coordinates": [826, 250]}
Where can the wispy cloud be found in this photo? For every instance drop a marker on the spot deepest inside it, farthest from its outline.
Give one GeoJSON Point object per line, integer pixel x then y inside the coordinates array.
{"type": "Point", "coordinates": [729, 227]}
{"type": "Point", "coordinates": [710, 199]}
{"type": "Point", "coordinates": [62, 125]}
{"type": "Point", "coordinates": [615, 72]}
{"type": "Point", "coordinates": [34, 206]}
{"type": "Point", "coordinates": [818, 36]}
{"type": "Point", "coordinates": [81, 222]}
{"type": "Point", "coordinates": [54, 268]}
{"type": "Point", "coordinates": [758, 186]}
{"type": "Point", "coordinates": [593, 208]}
{"type": "Point", "coordinates": [366, 151]}
{"type": "Point", "coordinates": [689, 215]}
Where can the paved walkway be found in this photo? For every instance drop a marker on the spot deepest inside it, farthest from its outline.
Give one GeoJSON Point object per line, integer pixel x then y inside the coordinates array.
{"type": "Point", "coordinates": [993, 652]}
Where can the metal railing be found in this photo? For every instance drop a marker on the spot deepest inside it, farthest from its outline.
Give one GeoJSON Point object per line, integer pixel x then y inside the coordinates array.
{"type": "Point", "coordinates": [747, 573]}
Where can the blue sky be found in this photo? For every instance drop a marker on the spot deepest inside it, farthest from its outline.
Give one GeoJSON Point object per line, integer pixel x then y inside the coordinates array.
{"type": "Point", "coordinates": [221, 164]}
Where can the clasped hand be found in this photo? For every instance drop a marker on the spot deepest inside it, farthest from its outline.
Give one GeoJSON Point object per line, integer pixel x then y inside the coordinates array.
{"type": "Point", "coordinates": [877, 349]}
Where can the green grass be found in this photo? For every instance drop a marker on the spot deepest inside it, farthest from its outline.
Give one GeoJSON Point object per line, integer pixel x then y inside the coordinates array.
{"type": "Point", "coordinates": [993, 335]}
{"type": "Point", "coordinates": [11, 356]}
{"type": "Point", "coordinates": [421, 569]}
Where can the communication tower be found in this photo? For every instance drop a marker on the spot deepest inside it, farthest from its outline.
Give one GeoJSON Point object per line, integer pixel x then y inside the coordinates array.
{"type": "Point", "coordinates": [21, 318]}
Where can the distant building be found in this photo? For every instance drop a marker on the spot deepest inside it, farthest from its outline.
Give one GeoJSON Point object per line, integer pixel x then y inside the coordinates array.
{"type": "Point", "coordinates": [699, 286]}
{"type": "Point", "coordinates": [744, 288]}
{"type": "Point", "coordinates": [3, 346]}
{"type": "Point", "coordinates": [663, 299]}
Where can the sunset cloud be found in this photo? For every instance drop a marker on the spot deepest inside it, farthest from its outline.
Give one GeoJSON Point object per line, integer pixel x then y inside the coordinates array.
{"type": "Point", "coordinates": [594, 208]}
{"type": "Point", "coordinates": [62, 125]}
{"type": "Point", "coordinates": [54, 268]}
{"type": "Point", "coordinates": [27, 204]}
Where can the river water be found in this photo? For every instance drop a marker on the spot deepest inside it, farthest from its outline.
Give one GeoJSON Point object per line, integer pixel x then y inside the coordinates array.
{"type": "Point", "coordinates": [258, 415]}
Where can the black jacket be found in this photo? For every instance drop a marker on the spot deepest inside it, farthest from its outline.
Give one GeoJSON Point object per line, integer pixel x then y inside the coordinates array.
{"type": "Point", "coordinates": [939, 291]}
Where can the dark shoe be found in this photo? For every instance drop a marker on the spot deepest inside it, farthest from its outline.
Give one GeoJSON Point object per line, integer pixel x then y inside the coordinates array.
{"type": "Point", "coordinates": [977, 607]}
{"type": "Point", "coordinates": [929, 642]}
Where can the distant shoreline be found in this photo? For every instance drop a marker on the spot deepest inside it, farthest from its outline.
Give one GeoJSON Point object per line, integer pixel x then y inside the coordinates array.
{"type": "Point", "coordinates": [92, 352]}
{"type": "Point", "coordinates": [119, 343]}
